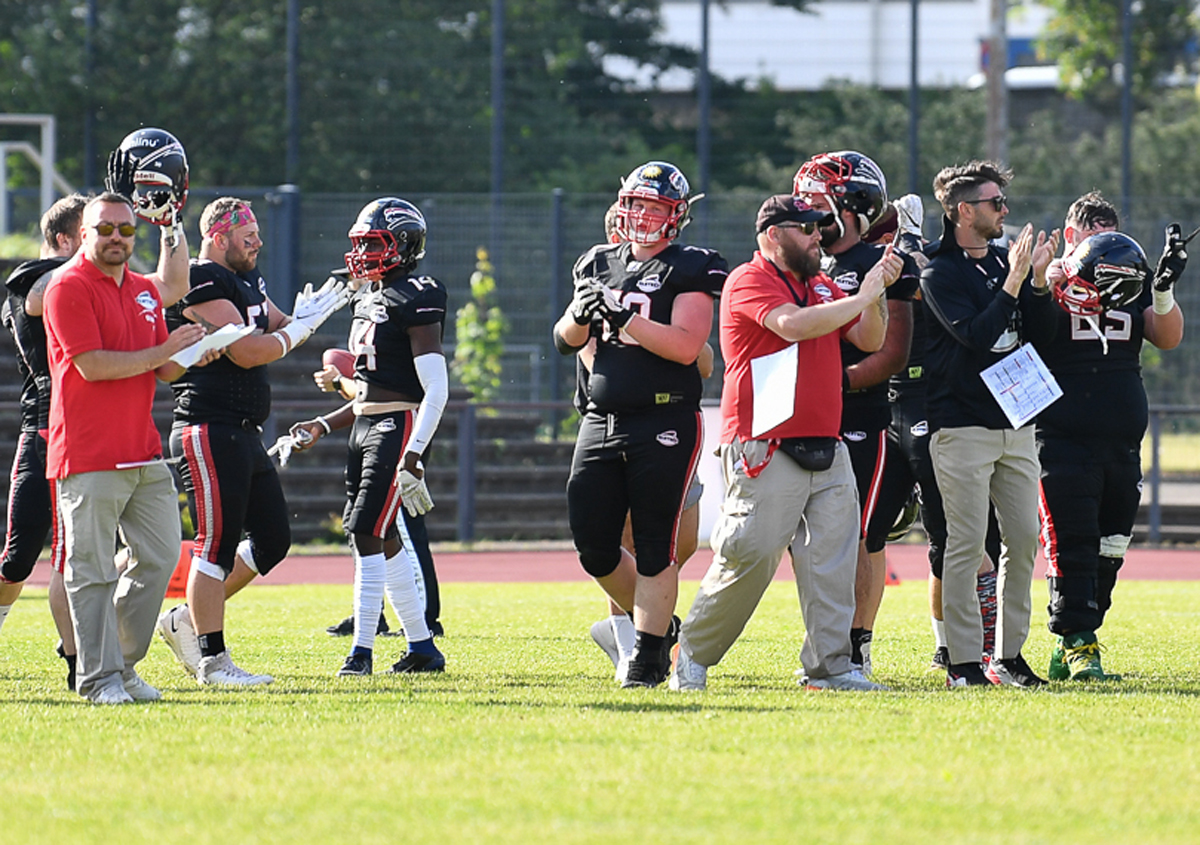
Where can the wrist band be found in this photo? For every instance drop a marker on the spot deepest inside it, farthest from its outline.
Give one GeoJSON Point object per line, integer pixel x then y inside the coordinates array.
{"type": "Point", "coordinates": [1164, 301]}
{"type": "Point", "coordinates": [324, 424]}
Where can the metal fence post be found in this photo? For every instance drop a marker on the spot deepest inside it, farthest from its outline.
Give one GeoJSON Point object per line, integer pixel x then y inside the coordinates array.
{"type": "Point", "coordinates": [466, 473]}
{"type": "Point", "coordinates": [1155, 529]}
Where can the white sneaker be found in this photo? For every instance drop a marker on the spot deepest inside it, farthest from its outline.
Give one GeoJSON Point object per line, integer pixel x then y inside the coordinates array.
{"type": "Point", "coordinates": [175, 628]}
{"type": "Point", "coordinates": [221, 670]}
{"type": "Point", "coordinates": [686, 674]}
{"type": "Point", "coordinates": [139, 690]}
{"type": "Point", "coordinates": [865, 648]}
{"type": "Point", "coordinates": [602, 634]}
{"type": "Point", "coordinates": [111, 694]}
{"type": "Point", "coordinates": [854, 680]}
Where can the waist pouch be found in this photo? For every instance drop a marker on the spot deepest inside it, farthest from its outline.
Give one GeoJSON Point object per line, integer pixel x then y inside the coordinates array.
{"type": "Point", "coordinates": [814, 454]}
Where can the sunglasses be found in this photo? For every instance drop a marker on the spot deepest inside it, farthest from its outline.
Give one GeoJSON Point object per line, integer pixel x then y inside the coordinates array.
{"type": "Point", "coordinates": [127, 230]}
{"type": "Point", "coordinates": [806, 228]}
{"type": "Point", "coordinates": [998, 202]}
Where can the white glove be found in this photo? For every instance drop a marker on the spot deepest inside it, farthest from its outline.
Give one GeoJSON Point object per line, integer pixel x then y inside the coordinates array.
{"type": "Point", "coordinates": [910, 214]}
{"type": "Point", "coordinates": [413, 492]}
{"type": "Point", "coordinates": [284, 445]}
{"type": "Point", "coordinates": [313, 308]}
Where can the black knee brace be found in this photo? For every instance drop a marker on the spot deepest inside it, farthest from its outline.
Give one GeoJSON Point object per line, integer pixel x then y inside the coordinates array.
{"type": "Point", "coordinates": [599, 564]}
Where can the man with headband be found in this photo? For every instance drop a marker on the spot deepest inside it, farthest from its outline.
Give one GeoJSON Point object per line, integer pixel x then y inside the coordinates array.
{"type": "Point", "coordinates": [231, 482]}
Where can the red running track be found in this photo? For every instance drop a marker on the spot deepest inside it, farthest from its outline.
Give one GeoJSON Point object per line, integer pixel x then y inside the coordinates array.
{"type": "Point", "coordinates": [907, 561]}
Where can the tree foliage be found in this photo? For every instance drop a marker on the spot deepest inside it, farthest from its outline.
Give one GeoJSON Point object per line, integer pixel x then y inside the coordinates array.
{"type": "Point", "coordinates": [1084, 38]}
{"type": "Point", "coordinates": [480, 327]}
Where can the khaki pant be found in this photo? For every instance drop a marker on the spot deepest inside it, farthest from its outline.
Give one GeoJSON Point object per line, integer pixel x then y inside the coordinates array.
{"type": "Point", "coordinates": [971, 465]}
{"type": "Point", "coordinates": [114, 613]}
{"type": "Point", "coordinates": [813, 513]}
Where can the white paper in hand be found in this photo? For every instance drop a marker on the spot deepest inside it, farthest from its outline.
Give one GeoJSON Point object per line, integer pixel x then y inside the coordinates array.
{"type": "Point", "coordinates": [222, 337]}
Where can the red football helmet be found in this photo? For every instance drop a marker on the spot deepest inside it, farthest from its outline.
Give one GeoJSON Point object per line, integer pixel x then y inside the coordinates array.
{"type": "Point", "coordinates": [661, 182]}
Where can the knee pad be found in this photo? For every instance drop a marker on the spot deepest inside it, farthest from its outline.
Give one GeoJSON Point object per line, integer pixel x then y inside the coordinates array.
{"type": "Point", "coordinates": [208, 569]}
{"type": "Point", "coordinates": [599, 564]}
{"type": "Point", "coordinates": [16, 572]}
{"type": "Point", "coordinates": [653, 564]}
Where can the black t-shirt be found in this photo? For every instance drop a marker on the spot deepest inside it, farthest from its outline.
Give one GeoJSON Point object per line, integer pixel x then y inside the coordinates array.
{"type": "Point", "coordinates": [868, 406]}
{"type": "Point", "coordinates": [626, 377]}
{"type": "Point", "coordinates": [29, 333]}
{"type": "Point", "coordinates": [383, 314]}
{"type": "Point", "coordinates": [222, 391]}
{"type": "Point", "coordinates": [1103, 396]}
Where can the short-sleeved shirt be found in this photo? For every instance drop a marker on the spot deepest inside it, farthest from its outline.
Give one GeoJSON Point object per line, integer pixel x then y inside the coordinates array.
{"type": "Point", "coordinates": [222, 391]}
{"type": "Point", "coordinates": [379, 340]}
{"type": "Point", "coordinates": [753, 291]}
{"type": "Point", "coordinates": [625, 376]}
{"type": "Point", "coordinates": [100, 425]}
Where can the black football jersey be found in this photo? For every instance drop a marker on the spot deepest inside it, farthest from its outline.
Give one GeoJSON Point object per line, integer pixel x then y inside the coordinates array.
{"type": "Point", "coordinates": [222, 391]}
{"type": "Point", "coordinates": [1103, 395]}
{"type": "Point", "coordinates": [867, 407]}
{"type": "Point", "coordinates": [383, 314]}
{"type": "Point", "coordinates": [29, 333]}
{"type": "Point", "coordinates": [625, 377]}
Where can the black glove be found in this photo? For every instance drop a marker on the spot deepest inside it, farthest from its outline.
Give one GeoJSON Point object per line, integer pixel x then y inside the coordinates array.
{"type": "Point", "coordinates": [588, 296]}
{"type": "Point", "coordinates": [120, 173]}
{"type": "Point", "coordinates": [1173, 260]}
{"type": "Point", "coordinates": [613, 312]}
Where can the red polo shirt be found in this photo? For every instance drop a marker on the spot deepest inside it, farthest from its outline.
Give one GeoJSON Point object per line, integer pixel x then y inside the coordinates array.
{"type": "Point", "coordinates": [751, 292]}
{"type": "Point", "coordinates": [97, 425]}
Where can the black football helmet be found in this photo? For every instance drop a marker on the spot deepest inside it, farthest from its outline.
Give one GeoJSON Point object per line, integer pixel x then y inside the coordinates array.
{"type": "Point", "coordinates": [389, 234]}
{"type": "Point", "coordinates": [1106, 271]}
{"type": "Point", "coordinates": [852, 181]}
{"type": "Point", "coordinates": [150, 167]}
{"type": "Point", "coordinates": [655, 180]}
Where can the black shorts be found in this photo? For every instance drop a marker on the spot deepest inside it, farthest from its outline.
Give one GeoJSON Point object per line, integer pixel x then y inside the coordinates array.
{"type": "Point", "coordinates": [868, 458]}
{"type": "Point", "coordinates": [232, 486]}
{"type": "Point", "coordinates": [372, 463]}
{"type": "Point", "coordinates": [30, 509]}
{"type": "Point", "coordinates": [641, 464]}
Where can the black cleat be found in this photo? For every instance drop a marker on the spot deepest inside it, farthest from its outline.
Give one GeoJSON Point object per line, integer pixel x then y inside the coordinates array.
{"type": "Point", "coordinates": [414, 661]}
{"type": "Point", "coordinates": [436, 629]}
{"type": "Point", "coordinates": [941, 659]}
{"type": "Point", "coordinates": [966, 675]}
{"type": "Point", "coordinates": [356, 664]}
{"type": "Point", "coordinates": [345, 628]}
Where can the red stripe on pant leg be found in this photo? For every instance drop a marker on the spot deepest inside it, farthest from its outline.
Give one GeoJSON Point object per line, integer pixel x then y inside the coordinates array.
{"type": "Point", "coordinates": [207, 492]}
{"type": "Point", "coordinates": [391, 506]}
{"type": "Point", "coordinates": [876, 482]}
{"type": "Point", "coordinates": [1048, 535]}
{"type": "Point", "coordinates": [12, 484]}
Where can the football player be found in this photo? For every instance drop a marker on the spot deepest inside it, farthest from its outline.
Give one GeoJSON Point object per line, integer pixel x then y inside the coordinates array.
{"type": "Point", "coordinates": [401, 387]}
{"type": "Point", "coordinates": [648, 302]}
{"type": "Point", "coordinates": [1090, 439]}
{"type": "Point", "coordinates": [852, 187]}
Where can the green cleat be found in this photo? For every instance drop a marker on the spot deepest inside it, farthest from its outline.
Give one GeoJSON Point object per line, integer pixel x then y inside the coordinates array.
{"type": "Point", "coordinates": [1058, 670]}
{"type": "Point", "coordinates": [1081, 657]}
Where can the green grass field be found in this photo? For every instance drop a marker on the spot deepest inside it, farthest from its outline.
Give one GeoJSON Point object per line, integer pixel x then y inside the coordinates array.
{"type": "Point", "coordinates": [526, 739]}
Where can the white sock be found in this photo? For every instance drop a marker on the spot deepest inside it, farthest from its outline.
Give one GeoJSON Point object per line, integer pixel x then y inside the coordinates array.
{"type": "Point", "coordinates": [406, 601]}
{"type": "Point", "coordinates": [369, 574]}
{"type": "Point", "coordinates": [625, 634]}
{"type": "Point", "coordinates": [4, 609]}
{"type": "Point", "coordinates": [939, 632]}
{"type": "Point", "coordinates": [418, 575]}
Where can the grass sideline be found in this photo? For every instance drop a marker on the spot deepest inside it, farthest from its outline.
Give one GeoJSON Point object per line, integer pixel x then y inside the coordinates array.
{"type": "Point", "coordinates": [526, 738]}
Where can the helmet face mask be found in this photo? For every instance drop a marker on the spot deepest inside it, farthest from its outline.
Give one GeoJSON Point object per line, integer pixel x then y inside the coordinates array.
{"type": "Point", "coordinates": [655, 181]}
{"type": "Point", "coordinates": [160, 174]}
{"type": "Point", "coordinates": [1106, 271]}
{"type": "Point", "coordinates": [851, 181]}
{"type": "Point", "coordinates": [389, 234]}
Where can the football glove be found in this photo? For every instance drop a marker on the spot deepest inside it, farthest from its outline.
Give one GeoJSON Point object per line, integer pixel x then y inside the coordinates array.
{"type": "Point", "coordinates": [413, 492]}
{"type": "Point", "coordinates": [611, 309]}
{"type": "Point", "coordinates": [588, 295]}
{"type": "Point", "coordinates": [1173, 260]}
{"type": "Point", "coordinates": [120, 173]}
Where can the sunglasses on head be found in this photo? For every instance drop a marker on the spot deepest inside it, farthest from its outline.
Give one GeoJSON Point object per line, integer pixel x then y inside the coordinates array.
{"type": "Point", "coordinates": [998, 202]}
{"type": "Point", "coordinates": [127, 230]}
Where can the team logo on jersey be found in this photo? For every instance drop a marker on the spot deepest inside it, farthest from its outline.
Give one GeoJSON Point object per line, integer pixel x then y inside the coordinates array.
{"type": "Point", "coordinates": [848, 282]}
{"type": "Point", "coordinates": [149, 306]}
{"type": "Point", "coordinates": [919, 429]}
{"type": "Point", "coordinates": [855, 436]}
{"type": "Point", "coordinates": [822, 290]}
{"type": "Point", "coordinates": [385, 425]}
{"type": "Point", "coordinates": [378, 314]}
{"type": "Point", "coordinates": [633, 266]}
{"type": "Point", "coordinates": [650, 284]}
{"type": "Point", "coordinates": [668, 438]}
{"type": "Point", "coordinates": [262, 285]}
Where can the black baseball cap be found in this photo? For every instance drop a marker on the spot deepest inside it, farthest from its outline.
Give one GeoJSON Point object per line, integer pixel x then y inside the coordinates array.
{"type": "Point", "coordinates": [785, 208]}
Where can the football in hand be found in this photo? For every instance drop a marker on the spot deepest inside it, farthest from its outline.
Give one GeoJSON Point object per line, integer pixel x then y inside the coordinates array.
{"type": "Point", "coordinates": [340, 359]}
